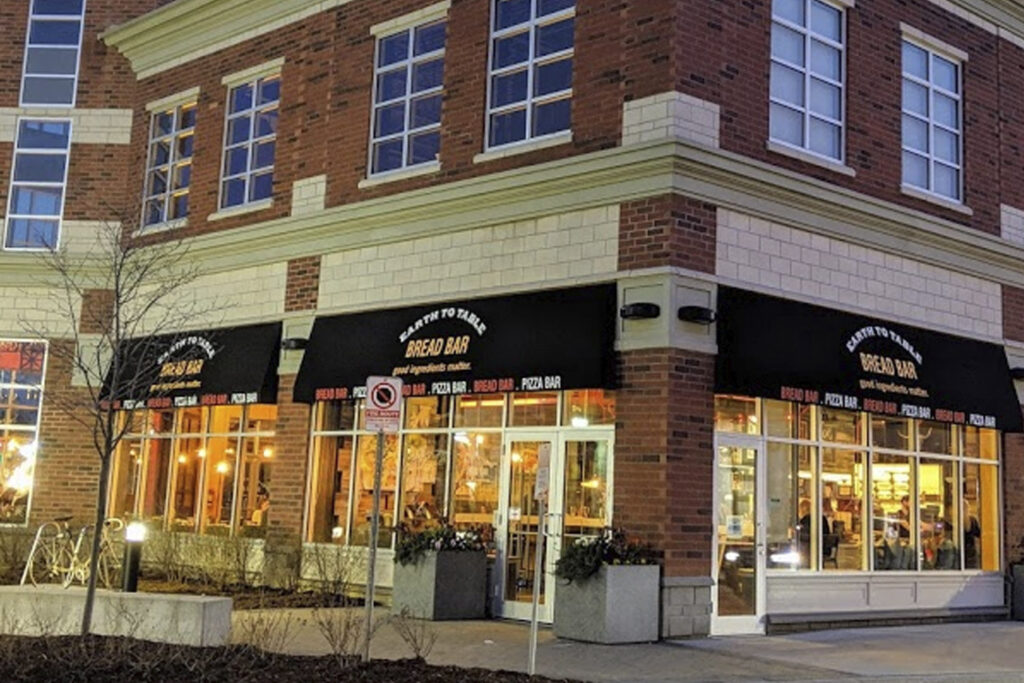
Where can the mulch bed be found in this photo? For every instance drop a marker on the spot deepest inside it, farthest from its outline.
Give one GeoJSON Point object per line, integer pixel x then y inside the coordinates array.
{"type": "Point", "coordinates": [95, 658]}
{"type": "Point", "coordinates": [248, 597]}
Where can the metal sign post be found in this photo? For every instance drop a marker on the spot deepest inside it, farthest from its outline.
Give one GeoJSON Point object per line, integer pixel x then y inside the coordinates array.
{"type": "Point", "coordinates": [540, 493]}
{"type": "Point", "coordinates": [381, 412]}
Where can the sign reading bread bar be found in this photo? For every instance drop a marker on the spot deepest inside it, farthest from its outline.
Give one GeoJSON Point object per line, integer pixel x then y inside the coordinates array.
{"type": "Point", "coordinates": [541, 341]}
{"type": "Point", "coordinates": [776, 348]}
{"type": "Point", "coordinates": [235, 365]}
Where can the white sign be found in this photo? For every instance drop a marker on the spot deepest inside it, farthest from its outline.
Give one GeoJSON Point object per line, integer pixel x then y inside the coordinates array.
{"type": "Point", "coordinates": [383, 404]}
{"type": "Point", "coordinates": [543, 480]}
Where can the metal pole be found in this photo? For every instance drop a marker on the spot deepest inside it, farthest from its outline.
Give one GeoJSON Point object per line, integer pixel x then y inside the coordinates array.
{"type": "Point", "coordinates": [131, 561]}
{"type": "Point", "coordinates": [538, 575]}
{"type": "Point", "coordinates": [374, 527]}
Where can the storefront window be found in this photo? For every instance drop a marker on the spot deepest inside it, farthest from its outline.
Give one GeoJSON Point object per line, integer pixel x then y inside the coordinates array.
{"type": "Point", "coordinates": [842, 426]}
{"type": "Point", "coordinates": [586, 489]}
{"type": "Point", "coordinates": [934, 506]}
{"type": "Point", "coordinates": [892, 486]}
{"type": "Point", "coordinates": [891, 432]}
{"type": "Point", "coordinates": [21, 377]}
{"type": "Point", "coordinates": [424, 463]}
{"type": "Point", "coordinates": [533, 410]}
{"type": "Point", "coordinates": [788, 420]}
{"type": "Point", "coordinates": [937, 483]}
{"type": "Point", "coordinates": [332, 480]}
{"type": "Point", "coordinates": [793, 531]}
{"type": "Point", "coordinates": [362, 500]}
{"type": "Point", "coordinates": [842, 508]}
{"type": "Point", "coordinates": [428, 412]}
{"type": "Point", "coordinates": [737, 415]}
{"type": "Point", "coordinates": [475, 478]}
{"type": "Point", "coordinates": [981, 517]}
{"type": "Point", "coordinates": [481, 410]}
{"type": "Point", "coordinates": [213, 463]}
{"type": "Point", "coordinates": [586, 407]}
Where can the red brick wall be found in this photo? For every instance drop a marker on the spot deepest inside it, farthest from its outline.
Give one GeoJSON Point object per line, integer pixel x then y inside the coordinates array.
{"type": "Point", "coordinates": [664, 455]}
{"type": "Point", "coordinates": [724, 57]}
{"type": "Point", "coordinates": [68, 465]}
{"type": "Point", "coordinates": [667, 230]}
{"type": "Point", "coordinates": [302, 288]}
{"type": "Point", "coordinates": [1013, 313]}
{"type": "Point", "coordinates": [1013, 497]}
{"type": "Point", "coordinates": [288, 476]}
{"type": "Point", "coordinates": [96, 310]}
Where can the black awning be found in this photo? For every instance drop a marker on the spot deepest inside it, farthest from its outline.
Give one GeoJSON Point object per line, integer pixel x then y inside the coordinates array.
{"type": "Point", "coordinates": [211, 367]}
{"type": "Point", "coordinates": [776, 348]}
{"type": "Point", "coordinates": [549, 340]}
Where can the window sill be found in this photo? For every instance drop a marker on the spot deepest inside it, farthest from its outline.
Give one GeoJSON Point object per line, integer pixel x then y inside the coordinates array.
{"type": "Point", "coordinates": [918, 193]}
{"type": "Point", "coordinates": [796, 153]}
{"type": "Point", "coordinates": [240, 210]}
{"type": "Point", "coordinates": [523, 147]}
{"type": "Point", "coordinates": [401, 174]}
{"type": "Point", "coordinates": [176, 224]}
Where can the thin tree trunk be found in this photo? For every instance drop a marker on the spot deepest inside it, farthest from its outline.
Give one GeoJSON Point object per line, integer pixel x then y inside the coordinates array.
{"type": "Point", "coordinates": [97, 537]}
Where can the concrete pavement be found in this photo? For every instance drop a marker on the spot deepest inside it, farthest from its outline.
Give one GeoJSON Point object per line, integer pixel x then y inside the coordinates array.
{"type": "Point", "coordinates": [946, 653]}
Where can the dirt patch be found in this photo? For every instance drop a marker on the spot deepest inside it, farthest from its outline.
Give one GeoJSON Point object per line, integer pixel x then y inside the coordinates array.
{"type": "Point", "coordinates": [95, 658]}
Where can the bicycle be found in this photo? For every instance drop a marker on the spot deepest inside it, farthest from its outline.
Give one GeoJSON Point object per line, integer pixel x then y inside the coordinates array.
{"type": "Point", "coordinates": [57, 555]}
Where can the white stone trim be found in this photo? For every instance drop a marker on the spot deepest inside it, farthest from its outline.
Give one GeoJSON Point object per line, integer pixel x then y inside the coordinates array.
{"type": "Point", "coordinates": [166, 226]}
{"type": "Point", "coordinates": [523, 147]}
{"type": "Point", "coordinates": [240, 210]}
{"type": "Point", "coordinates": [672, 115]}
{"type": "Point", "coordinates": [1011, 224]}
{"type": "Point", "coordinates": [88, 126]}
{"type": "Point", "coordinates": [403, 174]}
{"type": "Point", "coordinates": [253, 72]}
{"type": "Point", "coordinates": [438, 10]}
{"type": "Point", "coordinates": [309, 195]}
{"type": "Point", "coordinates": [966, 15]}
{"type": "Point", "coordinates": [918, 193]}
{"type": "Point", "coordinates": [917, 35]}
{"type": "Point", "coordinates": [808, 157]}
{"type": "Point", "coordinates": [175, 100]}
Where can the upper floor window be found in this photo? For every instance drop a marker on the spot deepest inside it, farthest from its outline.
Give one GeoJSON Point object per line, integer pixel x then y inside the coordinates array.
{"type": "Point", "coordinates": [250, 140]}
{"type": "Point", "coordinates": [530, 89]}
{"type": "Point", "coordinates": [932, 127]}
{"type": "Point", "coordinates": [169, 169]}
{"type": "Point", "coordinates": [807, 76]}
{"type": "Point", "coordinates": [51, 53]}
{"type": "Point", "coordinates": [36, 199]}
{"type": "Point", "coordinates": [407, 98]}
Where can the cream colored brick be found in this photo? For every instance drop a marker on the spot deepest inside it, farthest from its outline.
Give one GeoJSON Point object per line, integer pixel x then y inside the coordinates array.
{"type": "Point", "coordinates": [851, 275]}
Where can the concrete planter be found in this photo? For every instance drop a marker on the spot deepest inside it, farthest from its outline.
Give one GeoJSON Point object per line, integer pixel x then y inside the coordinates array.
{"type": "Point", "coordinates": [619, 604]}
{"type": "Point", "coordinates": [442, 585]}
{"type": "Point", "coordinates": [1017, 599]}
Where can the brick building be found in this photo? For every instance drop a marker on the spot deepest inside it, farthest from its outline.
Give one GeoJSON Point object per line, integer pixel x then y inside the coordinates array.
{"type": "Point", "coordinates": [751, 274]}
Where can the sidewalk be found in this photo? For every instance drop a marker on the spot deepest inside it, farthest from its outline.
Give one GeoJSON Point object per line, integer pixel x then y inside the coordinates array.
{"type": "Point", "coordinates": [953, 652]}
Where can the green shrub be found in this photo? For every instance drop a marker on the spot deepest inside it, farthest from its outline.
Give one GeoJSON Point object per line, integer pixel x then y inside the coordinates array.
{"type": "Point", "coordinates": [412, 545]}
{"type": "Point", "coordinates": [588, 554]}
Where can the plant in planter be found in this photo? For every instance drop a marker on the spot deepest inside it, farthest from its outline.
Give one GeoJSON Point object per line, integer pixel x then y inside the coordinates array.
{"type": "Point", "coordinates": [440, 573]}
{"type": "Point", "coordinates": [609, 590]}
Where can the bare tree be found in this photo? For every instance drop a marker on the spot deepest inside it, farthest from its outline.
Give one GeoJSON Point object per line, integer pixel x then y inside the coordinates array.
{"type": "Point", "coordinates": [115, 298]}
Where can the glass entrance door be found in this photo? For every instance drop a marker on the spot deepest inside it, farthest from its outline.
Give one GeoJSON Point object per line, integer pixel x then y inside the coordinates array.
{"type": "Point", "coordinates": [520, 513]}
{"type": "Point", "coordinates": [579, 504]}
{"type": "Point", "coordinates": [739, 550]}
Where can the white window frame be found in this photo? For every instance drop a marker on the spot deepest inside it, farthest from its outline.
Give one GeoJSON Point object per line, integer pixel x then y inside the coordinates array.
{"type": "Point", "coordinates": [254, 109]}
{"type": "Point", "coordinates": [958, 59]}
{"type": "Point", "coordinates": [805, 69]}
{"type": "Point", "coordinates": [63, 185]}
{"type": "Point", "coordinates": [530, 66]}
{"type": "Point", "coordinates": [408, 65]}
{"type": "Point", "coordinates": [32, 16]}
{"type": "Point", "coordinates": [172, 163]}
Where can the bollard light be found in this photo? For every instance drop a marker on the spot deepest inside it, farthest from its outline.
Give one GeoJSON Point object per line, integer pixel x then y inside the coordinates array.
{"type": "Point", "coordinates": [134, 536]}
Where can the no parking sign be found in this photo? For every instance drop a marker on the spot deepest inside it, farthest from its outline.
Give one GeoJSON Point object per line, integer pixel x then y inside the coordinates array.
{"type": "Point", "coordinates": [383, 404]}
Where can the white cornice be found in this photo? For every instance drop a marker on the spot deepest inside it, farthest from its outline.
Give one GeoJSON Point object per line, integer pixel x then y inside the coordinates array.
{"type": "Point", "coordinates": [188, 29]}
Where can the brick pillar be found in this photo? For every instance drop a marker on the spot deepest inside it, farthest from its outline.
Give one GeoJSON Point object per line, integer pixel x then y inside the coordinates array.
{"type": "Point", "coordinates": [663, 474]}
{"type": "Point", "coordinates": [302, 288]}
{"type": "Point", "coordinates": [68, 464]}
{"type": "Point", "coordinates": [287, 488]}
{"type": "Point", "coordinates": [1013, 497]}
{"type": "Point", "coordinates": [667, 230]}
